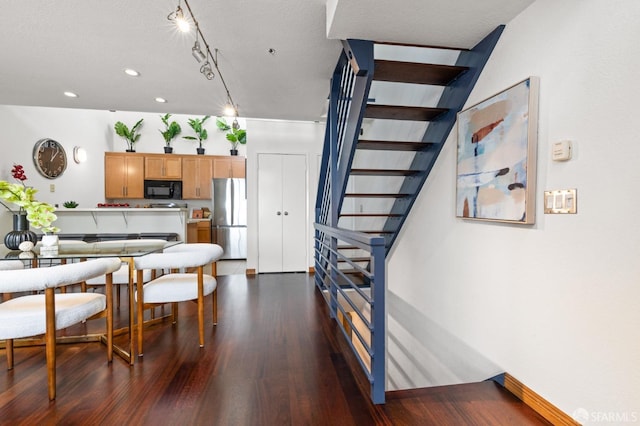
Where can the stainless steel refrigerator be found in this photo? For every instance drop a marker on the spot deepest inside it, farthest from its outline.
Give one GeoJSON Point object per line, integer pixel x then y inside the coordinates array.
{"type": "Point", "coordinates": [229, 216]}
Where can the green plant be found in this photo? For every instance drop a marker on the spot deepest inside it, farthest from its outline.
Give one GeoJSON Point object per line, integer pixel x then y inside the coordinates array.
{"type": "Point", "coordinates": [130, 136]}
{"type": "Point", "coordinates": [171, 130]}
{"type": "Point", "coordinates": [70, 204]}
{"type": "Point", "coordinates": [235, 134]}
{"type": "Point", "coordinates": [39, 214]}
{"type": "Point", "coordinates": [197, 124]}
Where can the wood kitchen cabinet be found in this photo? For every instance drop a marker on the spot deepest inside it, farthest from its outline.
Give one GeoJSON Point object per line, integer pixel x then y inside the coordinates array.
{"type": "Point", "coordinates": [199, 232]}
{"type": "Point", "coordinates": [232, 166]}
{"type": "Point", "coordinates": [197, 172]}
{"type": "Point", "coordinates": [162, 166]}
{"type": "Point", "coordinates": [123, 175]}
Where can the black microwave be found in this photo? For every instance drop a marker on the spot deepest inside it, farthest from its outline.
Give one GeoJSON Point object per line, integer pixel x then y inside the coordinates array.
{"type": "Point", "coordinates": [163, 189]}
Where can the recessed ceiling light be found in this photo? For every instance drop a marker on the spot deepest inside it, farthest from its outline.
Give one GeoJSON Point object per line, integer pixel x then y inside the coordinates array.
{"type": "Point", "coordinates": [70, 95]}
{"type": "Point", "coordinates": [161, 100]}
{"type": "Point", "coordinates": [132, 72]}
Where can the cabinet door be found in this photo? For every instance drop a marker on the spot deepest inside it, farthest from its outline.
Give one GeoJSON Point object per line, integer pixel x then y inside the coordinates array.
{"type": "Point", "coordinates": [282, 213]}
{"type": "Point", "coordinates": [189, 178]}
{"type": "Point", "coordinates": [123, 176]}
{"type": "Point", "coordinates": [114, 176]}
{"type": "Point", "coordinates": [172, 167]}
{"type": "Point", "coordinates": [135, 177]}
{"type": "Point", "coordinates": [221, 167]}
{"type": "Point", "coordinates": [238, 167]}
{"type": "Point", "coordinates": [196, 178]}
{"type": "Point", "coordinates": [153, 167]}
{"type": "Point", "coordinates": [162, 167]}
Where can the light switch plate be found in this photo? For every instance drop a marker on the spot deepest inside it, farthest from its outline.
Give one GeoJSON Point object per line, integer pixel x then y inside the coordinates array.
{"type": "Point", "coordinates": [561, 201]}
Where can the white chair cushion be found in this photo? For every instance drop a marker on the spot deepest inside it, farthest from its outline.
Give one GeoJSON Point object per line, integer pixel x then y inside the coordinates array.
{"type": "Point", "coordinates": [40, 278]}
{"type": "Point", "coordinates": [176, 288]}
{"type": "Point", "coordinates": [121, 276]}
{"type": "Point", "coordinates": [7, 265]}
{"type": "Point", "coordinates": [25, 316]}
{"type": "Point", "coordinates": [181, 256]}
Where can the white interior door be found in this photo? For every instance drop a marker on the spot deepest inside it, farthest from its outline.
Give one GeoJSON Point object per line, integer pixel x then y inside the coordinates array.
{"type": "Point", "coordinates": [282, 217]}
{"type": "Point", "coordinates": [294, 213]}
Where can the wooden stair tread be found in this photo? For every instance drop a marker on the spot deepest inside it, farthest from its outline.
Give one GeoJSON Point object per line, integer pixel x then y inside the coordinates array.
{"type": "Point", "coordinates": [383, 172]}
{"type": "Point", "coordinates": [374, 195]}
{"type": "Point", "coordinates": [370, 215]}
{"type": "Point", "coordinates": [393, 145]}
{"type": "Point", "coordinates": [416, 73]}
{"type": "Point", "coordinates": [357, 259]}
{"type": "Point", "coordinates": [400, 112]}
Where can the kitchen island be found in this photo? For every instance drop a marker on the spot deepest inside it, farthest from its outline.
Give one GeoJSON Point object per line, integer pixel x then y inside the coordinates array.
{"type": "Point", "coordinates": [123, 220]}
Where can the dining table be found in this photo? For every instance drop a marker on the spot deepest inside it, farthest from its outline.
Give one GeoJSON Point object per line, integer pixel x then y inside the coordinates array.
{"type": "Point", "coordinates": [74, 251]}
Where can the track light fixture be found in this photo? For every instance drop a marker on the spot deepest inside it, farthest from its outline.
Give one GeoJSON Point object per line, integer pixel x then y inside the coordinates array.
{"type": "Point", "coordinates": [197, 52]}
{"type": "Point", "coordinates": [178, 17]}
{"type": "Point", "coordinates": [200, 54]}
{"type": "Point", "coordinates": [206, 70]}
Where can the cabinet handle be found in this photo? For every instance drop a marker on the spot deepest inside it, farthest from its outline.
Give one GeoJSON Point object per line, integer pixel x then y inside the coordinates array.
{"type": "Point", "coordinates": [278, 213]}
{"type": "Point", "coordinates": [286, 213]}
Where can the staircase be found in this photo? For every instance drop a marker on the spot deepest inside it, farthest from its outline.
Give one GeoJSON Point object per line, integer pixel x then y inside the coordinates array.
{"type": "Point", "coordinates": [387, 123]}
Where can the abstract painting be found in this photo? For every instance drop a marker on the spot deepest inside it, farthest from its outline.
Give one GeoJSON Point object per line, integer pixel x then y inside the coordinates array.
{"type": "Point", "coordinates": [496, 165]}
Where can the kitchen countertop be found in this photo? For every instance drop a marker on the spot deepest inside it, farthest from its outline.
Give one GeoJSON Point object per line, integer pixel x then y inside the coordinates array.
{"type": "Point", "coordinates": [198, 220]}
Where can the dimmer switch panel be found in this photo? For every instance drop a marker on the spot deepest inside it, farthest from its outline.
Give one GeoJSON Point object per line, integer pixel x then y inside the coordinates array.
{"type": "Point", "coordinates": [561, 151]}
{"type": "Point", "coordinates": [562, 201]}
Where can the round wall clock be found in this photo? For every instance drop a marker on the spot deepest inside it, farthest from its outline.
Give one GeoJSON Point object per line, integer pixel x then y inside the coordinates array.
{"type": "Point", "coordinates": [50, 158]}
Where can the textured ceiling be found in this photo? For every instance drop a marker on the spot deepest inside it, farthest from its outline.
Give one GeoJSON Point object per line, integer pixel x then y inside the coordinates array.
{"type": "Point", "coordinates": [48, 47]}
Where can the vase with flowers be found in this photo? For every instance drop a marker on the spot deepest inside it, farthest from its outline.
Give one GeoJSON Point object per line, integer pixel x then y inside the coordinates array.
{"type": "Point", "coordinates": [29, 211]}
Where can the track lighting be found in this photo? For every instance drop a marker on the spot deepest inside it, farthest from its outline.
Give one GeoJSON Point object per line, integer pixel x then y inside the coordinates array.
{"type": "Point", "coordinates": [202, 53]}
{"type": "Point", "coordinates": [197, 52]}
{"type": "Point", "coordinates": [206, 70]}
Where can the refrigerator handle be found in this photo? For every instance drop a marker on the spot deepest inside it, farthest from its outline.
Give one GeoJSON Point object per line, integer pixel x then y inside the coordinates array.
{"type": "Point", "coordinates": [234, 191]}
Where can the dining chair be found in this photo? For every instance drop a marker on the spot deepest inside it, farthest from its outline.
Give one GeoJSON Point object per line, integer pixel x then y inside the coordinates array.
{"type": "Point", "coordinates": [44, 313]}
{"type": "Point", "coordinates": [178, 284]}
{"type": "Point", "coordinates": [121, 276]}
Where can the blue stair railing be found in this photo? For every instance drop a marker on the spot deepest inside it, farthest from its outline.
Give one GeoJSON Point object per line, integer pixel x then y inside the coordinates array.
{"type": "Point", "coordinates": [361, 311]}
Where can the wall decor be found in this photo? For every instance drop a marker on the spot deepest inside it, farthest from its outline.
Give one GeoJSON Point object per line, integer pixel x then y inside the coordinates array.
{"type": "Point", "coordinates": [496, 163]}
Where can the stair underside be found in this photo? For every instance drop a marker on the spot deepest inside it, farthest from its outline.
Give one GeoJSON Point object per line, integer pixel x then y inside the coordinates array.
{"type": "Point", "coordinates": [393, 145]}
{"type": "Point", "coordinates": [395, 112]}
{"type": "Point", "coordinates": [383, 172]}
{"type": "Point", "coordinates": [376, 195]}
{"type": "Point", "coordinates": [417, 73]}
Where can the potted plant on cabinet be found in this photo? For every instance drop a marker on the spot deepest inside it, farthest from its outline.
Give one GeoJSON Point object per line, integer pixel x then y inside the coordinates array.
{"type": "Point", "coordinates": [130, 136]}
{"type": "Point", "coordinates": [197, 124]}
{"type": "Point", "coordinates": [235, 134]}
{"type": "Point", "coordinates": [170, 132]}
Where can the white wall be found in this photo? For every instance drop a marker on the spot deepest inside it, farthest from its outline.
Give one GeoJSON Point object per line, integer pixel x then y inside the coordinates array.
{"type": "Point", "coordinates": [93, 130]}
{"type": "Point", "coordinates": [281, 137]}
{"type": "Point", "coordinates": [556, 304]}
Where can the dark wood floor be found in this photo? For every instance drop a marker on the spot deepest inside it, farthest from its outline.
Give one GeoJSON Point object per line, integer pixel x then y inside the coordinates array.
{"type": "Point", "coordinates": [273, 359]}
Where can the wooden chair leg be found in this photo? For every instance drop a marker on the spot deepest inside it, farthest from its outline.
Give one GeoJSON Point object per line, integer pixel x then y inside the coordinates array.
{"type": "Point", "coordinates": [118, 297]}
{"type": "Point", "coordinates": [174, 312]}
{"type": "Point", "coordinates": [50, 341]}
{"type": "Point", "coordinates": [140, 325]}
{"type": "Point", "coordinates": [9, 350]}
{"type": "Point", "coordinates": [214, 304]}
{"type": "Point", "coordinates": [201, 305]}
